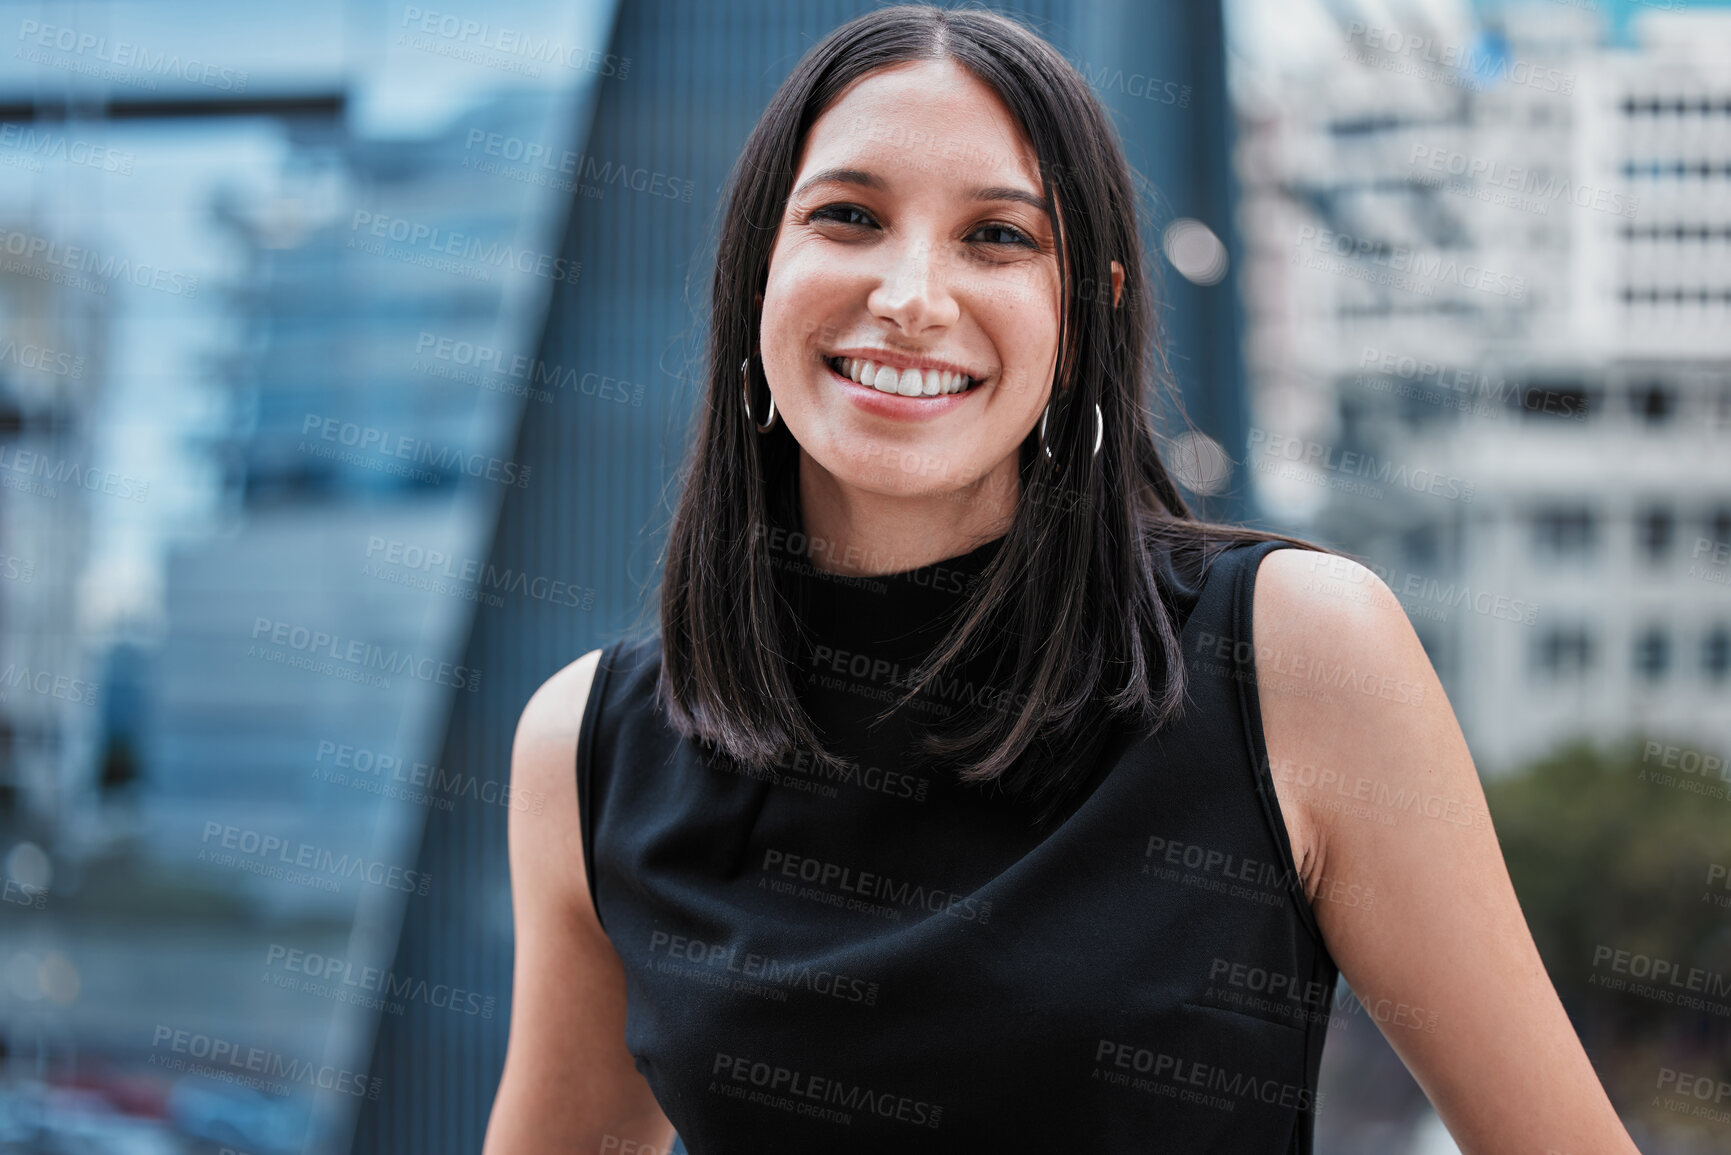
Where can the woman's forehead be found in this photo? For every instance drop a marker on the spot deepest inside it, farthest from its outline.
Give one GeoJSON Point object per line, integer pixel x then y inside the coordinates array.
{"type": "Point", "coordinates": [927, 116]}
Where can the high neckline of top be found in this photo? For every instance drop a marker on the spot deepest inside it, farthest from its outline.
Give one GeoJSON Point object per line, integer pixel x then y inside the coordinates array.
{"type": "Point", "coordinates": [901, 613]}
{"type": "Point", "coordinates": [971, 563]}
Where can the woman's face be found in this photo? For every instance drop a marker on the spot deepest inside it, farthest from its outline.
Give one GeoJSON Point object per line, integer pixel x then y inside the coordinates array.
{"type": "Point", "coordinates": [914, 241]}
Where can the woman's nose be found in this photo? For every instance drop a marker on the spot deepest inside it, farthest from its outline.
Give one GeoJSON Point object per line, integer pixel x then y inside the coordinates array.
{"type": "Point", "coordinates": [914, 291]}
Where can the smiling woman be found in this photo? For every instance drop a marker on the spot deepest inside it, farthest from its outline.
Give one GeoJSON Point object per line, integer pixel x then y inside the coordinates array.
{"type": "Point", "coordinates": [922, 246]}
{"type": "Point", "coordinates": [943, 813]}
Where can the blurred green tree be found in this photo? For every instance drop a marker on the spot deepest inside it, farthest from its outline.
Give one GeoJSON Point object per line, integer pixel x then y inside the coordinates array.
{"type": "Point", "coordinates": [1627, 847]}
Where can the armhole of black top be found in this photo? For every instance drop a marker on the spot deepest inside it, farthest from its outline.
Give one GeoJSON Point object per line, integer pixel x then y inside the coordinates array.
{"type": "Point", "coordinates": [585, 775]}
{"type": "Point", "coordinates": [1250, 709]}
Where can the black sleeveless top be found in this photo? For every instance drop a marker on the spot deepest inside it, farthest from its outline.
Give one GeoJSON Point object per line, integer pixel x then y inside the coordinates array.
{"type": "Point", "coordinates": [885, 959]}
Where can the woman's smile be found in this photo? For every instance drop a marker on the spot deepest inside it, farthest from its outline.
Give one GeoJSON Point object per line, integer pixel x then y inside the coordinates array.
{"type": "Point", "coordinates": [901, 392]}
{"type": "Point", "coordinates": [889, 373]}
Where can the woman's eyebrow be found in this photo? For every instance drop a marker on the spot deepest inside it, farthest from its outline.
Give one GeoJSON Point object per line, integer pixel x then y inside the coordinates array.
{"type": "Point", "coordinates": [1005, 193]}
{"type": "Point", "coordinates": [864, 179]}
{"type": "Point", "coordinates": [854, 176]}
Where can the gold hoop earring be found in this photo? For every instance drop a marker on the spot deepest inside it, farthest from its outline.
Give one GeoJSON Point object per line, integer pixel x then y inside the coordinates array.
{"type": "Point", "coordinates": [745, 376]}
{"type": "Point", "coordinates": [1099, 430]}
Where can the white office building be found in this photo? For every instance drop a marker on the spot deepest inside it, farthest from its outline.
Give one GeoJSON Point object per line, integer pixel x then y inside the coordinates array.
{"type": "Point", "coordinates": [1488, 284]}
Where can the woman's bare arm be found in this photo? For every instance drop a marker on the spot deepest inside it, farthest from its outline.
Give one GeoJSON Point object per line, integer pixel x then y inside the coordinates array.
{"type": "Point", "coordinates": [569, 1084]}
{"type": "Point", "coordinates": [1442, 959]}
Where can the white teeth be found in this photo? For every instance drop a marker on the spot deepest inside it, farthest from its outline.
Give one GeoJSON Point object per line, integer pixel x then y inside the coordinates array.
{"type": "Point", "coordinates": [903, 382]}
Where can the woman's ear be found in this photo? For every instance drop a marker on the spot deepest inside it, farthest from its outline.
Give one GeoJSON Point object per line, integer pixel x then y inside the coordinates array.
{"type": "Point", "coordinates": [1117, 283]}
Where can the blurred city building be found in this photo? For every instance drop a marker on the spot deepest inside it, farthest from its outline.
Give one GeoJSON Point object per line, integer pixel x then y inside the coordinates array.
{"type": "Point", "coordinates": [269, 283]}
{"type": "Point", "coordinates": [1490, 351]}
{"type": "Point", "coordinates": [52, 346]}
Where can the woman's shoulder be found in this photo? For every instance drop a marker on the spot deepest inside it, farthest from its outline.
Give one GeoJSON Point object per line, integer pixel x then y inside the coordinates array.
{"type": "Point", "coordinates": [1311, 607]}
{"type": "Point", "coordinates": [555, 711]}
{"type": "Point", "coordinates": [546, 738]}
{"type": "Point", "coordinates": [1191, 559]}
{"type": "Point", "coordinates": [1327, 601]}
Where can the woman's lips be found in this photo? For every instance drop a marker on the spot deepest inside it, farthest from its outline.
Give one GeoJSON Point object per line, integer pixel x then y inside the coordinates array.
{"type": "Point", "coordinates": [894, 405]}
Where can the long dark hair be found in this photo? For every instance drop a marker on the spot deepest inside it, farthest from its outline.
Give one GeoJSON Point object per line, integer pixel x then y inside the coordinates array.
{"type": "Point", "coordinates": [1075, 583]}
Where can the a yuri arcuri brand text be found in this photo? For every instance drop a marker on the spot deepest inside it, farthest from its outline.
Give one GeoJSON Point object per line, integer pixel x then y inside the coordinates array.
{"type": "Point", "coordinates": [1428, 267]}
{"type": "Point", "coordinates": [788, 545]}
{"type": "Point", "coordinates": [1290, 672]}
{"type": "Point", "coordinates": [419, 567]}
{"type": "Point", "coordinates": [86, 262]}
{"type": "Point", "coordinates": [1221, 1087]}
{"type": "Point", "coordinates": [28, 471]}
{"type": "Point", "coordinates": [534, 163]}
{"type": "Point", "coordinates": [803, 770]}
{"type": "Point", "coordinates": [483, 42]}
{"type": "Point", "coordinates": [878, 677]}
{"type": "Point", "coordinates": [435, 243]}
{"type": "Point", "coordinates": [256, 846]}
{"type": "Point", "coordinates": [1139, 85]}
{"type": "Point", "coordinates": [386, 774]}
{"type": "Point", "coordinates": [1457, 387]}
{"type": "Point", "coordinates": [1538, 183]}
{"type": "Point", "coordinates": [27, 355]}
{"type": "Point", "coordinates": [194, 1052]}
{"type": "Point", "coordinates": [1685, 760]}
{"type": "Point", "coordinates": [1263, 991]}
{"type": "Point", "coordinates": [1361, 466]}
{"type": "Point", "coordinates": [747, 968]}
{"type": "Point", "coordinates": [1661, 980]}
{"type": "Point", "coordinates": [284, 637]}
{"type": "Point", "coordinates": [20, 894]}
{"type": "Point", "coordinates": [97, 55]}
{"type": "Point", "coordinates": [336, 978]}
{"type": "Point", "coordinates": [46, 683]}
{"type": "Point", "coordinates": [1703, 1087]}
{"type": "Point", "coordinates": [1325, 785]}
{"type": "Point", "coordinates": [1226, 872]}
{"type": "Point", "coordinates": [39, 144]}
{"type": "Point", "coordinates": [369, 439]}
{"type": "Point", "coordinates": [801, 1088]}
{"type": "Point", "coordinates": [1461, 65]}
{"type": "Point", "coordinates": [845, 886]}
{"type": "Point", "coordinates": [475, 364]}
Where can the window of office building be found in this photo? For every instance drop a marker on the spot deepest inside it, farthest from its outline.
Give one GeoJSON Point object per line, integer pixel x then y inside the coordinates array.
{"type": "Point", "coordinates": [1563, 531]}
{"type": "Point", "coordinates": [1564, 651]}
{"type": "Point", "coordinates": [1716, 653]}
{"type": "Point", "coordinates": [1653, 403]}
{"type": "Point", "coordinates": [1719, 528]}
{"type": "Point", "coordinates": [1655, 527]}
{"type": "Point", "coordinates": [1652, 653]}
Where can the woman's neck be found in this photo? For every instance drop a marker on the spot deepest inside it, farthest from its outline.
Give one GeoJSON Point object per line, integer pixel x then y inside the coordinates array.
{"type": "Point", "coordinates": [854, 531]}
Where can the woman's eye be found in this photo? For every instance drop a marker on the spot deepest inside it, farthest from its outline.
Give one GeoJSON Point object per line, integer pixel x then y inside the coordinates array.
{"type": "Point", "coordinates": [841, 214]}
{"type": "Point", "coordinates": [1002, 235]}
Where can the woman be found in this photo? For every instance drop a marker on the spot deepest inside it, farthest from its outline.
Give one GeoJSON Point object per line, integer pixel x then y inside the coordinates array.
{"type": "Point", "coordinates": [952, 807]}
